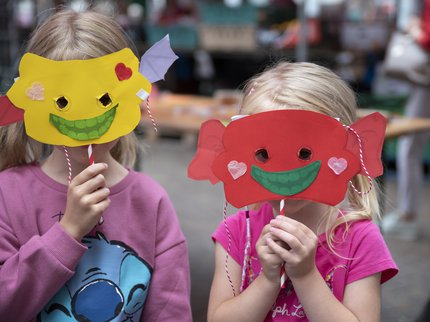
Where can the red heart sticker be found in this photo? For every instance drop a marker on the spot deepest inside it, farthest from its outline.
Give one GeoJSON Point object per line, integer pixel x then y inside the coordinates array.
{"type": "Point", "coordinates": [123, 72]}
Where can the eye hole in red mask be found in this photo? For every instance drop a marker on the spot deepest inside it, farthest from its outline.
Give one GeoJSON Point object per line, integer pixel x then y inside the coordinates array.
{"type": "Point", "coordinates": [305, 154]}
{"type": "Point", "coordinates": [261, 155]}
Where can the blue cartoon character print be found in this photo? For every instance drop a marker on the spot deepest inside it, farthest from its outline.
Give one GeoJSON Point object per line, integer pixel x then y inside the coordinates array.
{"type": "Point", "coordinates": [110, 284]}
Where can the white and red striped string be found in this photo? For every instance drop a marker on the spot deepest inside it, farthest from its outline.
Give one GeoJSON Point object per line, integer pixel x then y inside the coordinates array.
{"type": "Point", "coordinates": [150, 115]}
{"type": "Point", "coordinates": [247, 253]}
{"type": "Point", "coordinates": [228, 248]}
{"type": "Point", "coordinates": [360, 147]}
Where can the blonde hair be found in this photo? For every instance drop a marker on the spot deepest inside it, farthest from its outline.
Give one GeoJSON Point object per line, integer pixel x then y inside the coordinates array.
{"type": "Point", "coordinates": [307, 86]}
{"type": "Point", "coordinates": [68, 35]}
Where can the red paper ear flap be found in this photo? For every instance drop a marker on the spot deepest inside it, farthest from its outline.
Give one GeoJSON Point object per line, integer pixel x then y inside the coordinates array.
{"type": "Point", "coordinates": [371, 130]}
{"type": "Point", "coordinates": [9, 113]}
{"type": "Point", "coordinates": [209, 147]}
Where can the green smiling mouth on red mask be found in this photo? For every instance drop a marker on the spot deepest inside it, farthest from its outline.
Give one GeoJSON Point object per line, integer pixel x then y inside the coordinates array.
{"type": "Point", "coordinates": [288, 154]}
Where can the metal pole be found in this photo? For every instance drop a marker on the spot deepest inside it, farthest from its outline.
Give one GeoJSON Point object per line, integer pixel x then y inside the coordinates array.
{"type": "Point", "coordinates": [301, 51]}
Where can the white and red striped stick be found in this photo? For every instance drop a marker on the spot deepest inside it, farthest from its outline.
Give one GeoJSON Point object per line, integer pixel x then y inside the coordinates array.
{"type": "Point", "coordinates": [283, 274]}
{"type": "Point", "coordinates": [91, 160]}
{"type": "Point", "coordinates": [90, 154]}
{"type": "Point", "coordinates": [69, 164]}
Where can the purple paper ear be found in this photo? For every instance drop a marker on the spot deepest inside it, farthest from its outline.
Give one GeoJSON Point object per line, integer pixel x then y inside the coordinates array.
{"type": "Point", "coordinates": [157, 60]}
{"type": "Point", "coordinates": [9, 113]}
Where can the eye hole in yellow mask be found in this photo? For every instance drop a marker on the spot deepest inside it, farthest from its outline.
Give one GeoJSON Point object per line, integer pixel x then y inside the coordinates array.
{"type": "Point", "coordinates": [105, 100]}
{"type": "Point", "coordinates": [103, 110]}
{"type": "Point", "coordinates": [62, 103]}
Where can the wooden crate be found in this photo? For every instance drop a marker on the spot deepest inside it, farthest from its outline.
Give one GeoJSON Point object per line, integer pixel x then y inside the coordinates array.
{"type": "Point", "coordinates": [227, 38]}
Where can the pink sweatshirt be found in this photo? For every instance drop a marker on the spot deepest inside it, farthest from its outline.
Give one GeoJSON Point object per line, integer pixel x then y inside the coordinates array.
{"type": "Point", "coordinates": [363, 252]}
{"type": "Point", "coordinates": [133, 266]}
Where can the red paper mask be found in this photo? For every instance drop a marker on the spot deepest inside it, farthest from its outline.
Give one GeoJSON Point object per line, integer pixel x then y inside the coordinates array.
{"type": "Point", "coordinates": [288, 154]}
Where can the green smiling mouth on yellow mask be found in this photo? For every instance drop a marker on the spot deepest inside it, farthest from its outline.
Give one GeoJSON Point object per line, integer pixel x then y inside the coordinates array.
{"type": "Point", "coordinates": [82, 102]}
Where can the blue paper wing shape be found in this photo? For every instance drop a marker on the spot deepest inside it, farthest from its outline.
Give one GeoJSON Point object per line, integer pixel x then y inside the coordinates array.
{"type": "Point", "coordinates": [157, 60]}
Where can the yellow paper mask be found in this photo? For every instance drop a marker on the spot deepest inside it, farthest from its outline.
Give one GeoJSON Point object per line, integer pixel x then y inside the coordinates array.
{"type": "Point", "coordinates": [80, 102]}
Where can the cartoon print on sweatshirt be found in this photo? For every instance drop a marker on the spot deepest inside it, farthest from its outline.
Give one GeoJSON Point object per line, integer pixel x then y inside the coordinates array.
{"type": "Point", "coordinates": [110, 284]}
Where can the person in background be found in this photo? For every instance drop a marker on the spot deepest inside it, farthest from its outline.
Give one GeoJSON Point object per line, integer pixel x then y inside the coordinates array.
{"type": "Point", "coordinates": [403, 223]}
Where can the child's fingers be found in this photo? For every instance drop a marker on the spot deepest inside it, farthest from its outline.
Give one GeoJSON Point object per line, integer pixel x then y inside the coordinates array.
{"type": "Point", "coordinates": [280, 242]}
{"type": "Point", "coordinates": [265, 229]}
{"type": "Point", "coordinates": [261, 245]}
{"type": "Point", "coordinates": [299, 230]}
{"type": "Point", "coordinates": [88, 173]}
{"type": "Point", "coordinates": [280, 251]}
{"type": "Point", "coordinates": [267, 255]}
{"type": "Point", "coordinates": [264, 232]}
{"type": "Point", "coordinates": [101, 206]}
{"type": "Point", "coordinates": [266, 249]}
{"type": "Point", "coordinates": [289, 228]}
{"type": "Point", "coordinates": [300, 225]}
{"type": "Point", "coordinates": [270, 261]}
{"type": "Point", "coordinates": [97, 196]}
{"type": "Point", "coordinates": [276, 239]}
{"type": "Point", "coordinates": [93, 184]}
{"type": "Point", "coordinates": [291, 240]}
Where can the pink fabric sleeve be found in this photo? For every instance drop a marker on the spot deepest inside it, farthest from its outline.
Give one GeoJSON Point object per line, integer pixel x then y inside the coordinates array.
{"type": "Point", "coordinates": [169, 291]}
{"type": "Point", "coordinates": [30, 274]}
{"type": "Point", "coordinates": [371, 255]}
{"type": "Point", "coordinates": [222, 236]}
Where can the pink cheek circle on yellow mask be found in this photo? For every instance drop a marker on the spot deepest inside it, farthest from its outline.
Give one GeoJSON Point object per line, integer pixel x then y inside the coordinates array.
{"type": "Point", "coordinates": [80, 102]}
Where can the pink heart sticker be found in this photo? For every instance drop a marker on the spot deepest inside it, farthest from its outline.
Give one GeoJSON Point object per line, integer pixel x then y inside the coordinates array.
{"type": "Point", "coordinates": [236, 169]}
{"type": "Point", "coordinates": [337, 165]}
{"type": "Point", "coordinates": [36, 92]}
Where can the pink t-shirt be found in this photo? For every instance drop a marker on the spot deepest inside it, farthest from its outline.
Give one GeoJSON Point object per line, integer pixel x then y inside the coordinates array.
{"type": "Point", "coordinates": [363, 252]}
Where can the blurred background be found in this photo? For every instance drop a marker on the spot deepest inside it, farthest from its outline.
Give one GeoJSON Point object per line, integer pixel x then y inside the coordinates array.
{"type": "Point", "coordinates": [220, 45]}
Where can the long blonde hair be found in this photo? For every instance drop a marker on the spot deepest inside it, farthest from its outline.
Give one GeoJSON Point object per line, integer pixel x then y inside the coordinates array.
{"type": "Point", "coordinates": [307, 86]}
{"type": "Point", "coordinates": [68, 35]}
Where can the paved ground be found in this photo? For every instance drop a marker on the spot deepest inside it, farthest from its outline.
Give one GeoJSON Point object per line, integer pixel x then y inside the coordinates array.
{"type": "Point", "coordinates": [199, 207]}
